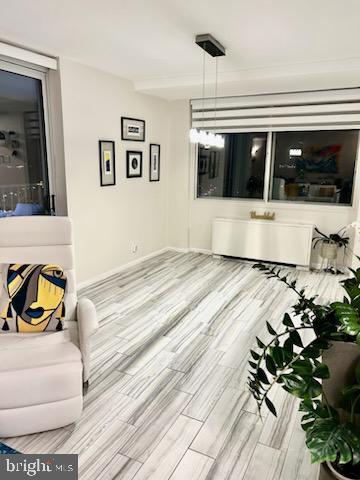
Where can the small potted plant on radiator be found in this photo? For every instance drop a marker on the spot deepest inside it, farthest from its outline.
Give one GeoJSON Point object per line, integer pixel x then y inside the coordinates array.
{"type": "Point", "coordinates": [324, 372]}
{"type": "Point", "coordinates": [330, 245]}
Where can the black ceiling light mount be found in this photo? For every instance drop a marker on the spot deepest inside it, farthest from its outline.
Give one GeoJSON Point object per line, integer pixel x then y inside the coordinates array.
{"type": "Point", "coordinates": [211, 46]}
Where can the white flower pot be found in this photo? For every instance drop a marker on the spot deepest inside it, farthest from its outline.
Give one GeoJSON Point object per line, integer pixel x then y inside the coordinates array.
{"type": "Point", "coordinates": [335, 473]}
{"type": "Point", "coordinates": [329, 251]}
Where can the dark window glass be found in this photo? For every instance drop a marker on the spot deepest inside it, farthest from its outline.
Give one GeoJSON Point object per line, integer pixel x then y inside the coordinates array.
{"type": "Point", "coordinates": [235, 171]}
{"type": "Point", "coordinates": [24, 187]}
{"type": "Point", "coordinates": [314, 166]}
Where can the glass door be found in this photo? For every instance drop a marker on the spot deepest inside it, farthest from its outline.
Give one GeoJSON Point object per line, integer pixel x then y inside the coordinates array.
{"type": "Point", "coordinates": [24, 168]}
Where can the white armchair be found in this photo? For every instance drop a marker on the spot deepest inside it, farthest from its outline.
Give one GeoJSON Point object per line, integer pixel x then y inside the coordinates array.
{"type": "Point", "coordinates": [42, 374]}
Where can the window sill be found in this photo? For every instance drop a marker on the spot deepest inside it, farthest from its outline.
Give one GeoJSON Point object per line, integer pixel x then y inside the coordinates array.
{"type": "Point", "coordinates": [282, 205]}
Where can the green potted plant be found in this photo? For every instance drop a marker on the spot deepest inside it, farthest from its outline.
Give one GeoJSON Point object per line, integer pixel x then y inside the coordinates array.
{"type": "Point", "coordinates": [329, 389]}
{"type": "Point", "coordinates": [330, 244]}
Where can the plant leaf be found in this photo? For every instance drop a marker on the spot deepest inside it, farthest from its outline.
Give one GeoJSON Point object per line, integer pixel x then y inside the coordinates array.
{"type": "Point", "coordinates": [270, 406]}
{"type": "Point", "coordinates": [348, 317]}
{"type": "Point", "coordinates": [303, 367]}
{"type": "Point", "coordinates": [262, 376]}
{"type": "Point", "coordinates": [287, 321]}
{"type": "Point", "coordinates": [354, 294]}
{"type": "Point", "coordinates": [270, 329]}
{"type": "Point", "coordinates": [321, 371]}
{"type": "Point", "coordinates": [327, 440]}
{"type": "Point", "coordinates": [277, 354]}
{"type": "Point", "coordinates": [295, 338]}
{"type": "Point", "coordinates": [305, 388]}
{"type": "Point", "coordinates": [351, 389]}
{"type": "Point", "coordinates": [314, 349]}
{"type": "Point", "coordinates": [289, 346]}
{"type": "Point", "coordinates": [270, 365]}
{"type": "Point", "coordinates": [254, 355]}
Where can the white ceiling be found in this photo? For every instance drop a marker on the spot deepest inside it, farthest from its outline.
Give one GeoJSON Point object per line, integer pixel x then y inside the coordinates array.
{"type": "Point", "coordinates": [272, 45]}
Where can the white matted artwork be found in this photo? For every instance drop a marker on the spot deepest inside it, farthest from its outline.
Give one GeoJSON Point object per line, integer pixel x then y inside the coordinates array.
{"type": "Point", "coordinates": [133, 164]}
{"type": "Point", "coordinates": [132, 129]}
{"type": "Point", "coordinates": [154, 165]}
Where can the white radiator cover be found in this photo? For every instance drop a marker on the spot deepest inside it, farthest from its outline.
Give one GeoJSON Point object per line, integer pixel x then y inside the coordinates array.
{"type": "Point", "coordinates": [265, 240]}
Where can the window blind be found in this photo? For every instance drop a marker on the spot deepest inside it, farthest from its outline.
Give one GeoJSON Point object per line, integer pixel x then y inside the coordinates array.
{"type": "Point", "coordinates": [315, 110]}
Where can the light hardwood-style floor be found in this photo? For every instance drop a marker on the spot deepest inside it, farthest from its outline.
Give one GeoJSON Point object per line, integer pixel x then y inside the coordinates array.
{"type": "Point", "coordinates": [168, 397]}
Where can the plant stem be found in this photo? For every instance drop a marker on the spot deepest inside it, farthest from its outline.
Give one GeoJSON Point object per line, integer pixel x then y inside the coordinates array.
{"type": "Point", "coordinates": [288, 365]}
{"type": "Point", "coordinates": [276, 337]}
{"type": "Point", "coordinates": [327, 403]}
{"type": "Point", "coordinates": [275, 379]}
{"type": "Point", "coordinates": [309, 304]}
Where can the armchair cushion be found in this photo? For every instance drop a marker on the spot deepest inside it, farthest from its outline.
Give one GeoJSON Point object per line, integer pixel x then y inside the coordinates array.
{"type": "Point", "coordinates": [33, 373]}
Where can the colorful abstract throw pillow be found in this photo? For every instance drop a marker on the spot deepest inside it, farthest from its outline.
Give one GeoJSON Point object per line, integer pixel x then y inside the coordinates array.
{"type": "Point", "coordinates": [32, 298]}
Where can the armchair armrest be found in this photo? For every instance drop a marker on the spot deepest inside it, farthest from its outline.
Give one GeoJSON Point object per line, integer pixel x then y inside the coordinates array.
{"type": "Point", "coordinates": [87, 325]}
{"type": "Point", "coordinates": [87, 318]}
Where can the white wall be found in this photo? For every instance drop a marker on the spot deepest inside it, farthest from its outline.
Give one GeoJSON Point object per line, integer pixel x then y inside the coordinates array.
{"type": "Point", "coordinates": [194, 230]}
{"type": "Point", "coordinates": [109, 220]}
{"type": "Point", "coordinates": [179, 175]}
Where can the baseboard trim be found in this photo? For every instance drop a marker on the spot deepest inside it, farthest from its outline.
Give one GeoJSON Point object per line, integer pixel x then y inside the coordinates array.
{"type": "Point", "coordinates": [180, 250]}
{"type": "Point", "coordinates": [201, 250]}
{"type": "Point", "coordinates": [125, 266]}
{"type": "Point", "coordinates": [114, 271]}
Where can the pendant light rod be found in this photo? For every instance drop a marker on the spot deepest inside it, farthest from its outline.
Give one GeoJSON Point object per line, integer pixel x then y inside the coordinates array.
{"type": "Point", "coordinates": [203, 91]}
{"type": "Point", "coordinates": [216, 92]}
{"type": "Point", "coordinates": [208, 139]}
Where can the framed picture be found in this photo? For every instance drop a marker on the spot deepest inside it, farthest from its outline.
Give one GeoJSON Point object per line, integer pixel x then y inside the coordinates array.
{"type": "Point", "coordinates": [107, 162]}
{"type": "Point", "coordinates": [133, 164]}
{"type": "Point", "coordinates": [203, 164]}
{"type": "Point", "coordinates": [319, 159]}
{"type": "Point", "coordinates": [132, 129]}
{"type": "Point", "coordinates": [154, 166]}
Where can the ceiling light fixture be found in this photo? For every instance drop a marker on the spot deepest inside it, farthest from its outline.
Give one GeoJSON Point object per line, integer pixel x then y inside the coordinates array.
{"type": "Point", "coordinates": [208, 139]}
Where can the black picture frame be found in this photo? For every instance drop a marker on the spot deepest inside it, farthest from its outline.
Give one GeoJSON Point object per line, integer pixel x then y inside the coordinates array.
{"type": "Point", "coordinates": [107, 165]}
{"type": "Point", "coordinates": [203, 164]}
{"type": "Point", "coordinates": [129, 155]}
{"type": "Point", "coordinates": [156, 147]}
{"type": "Point", "coordinates": [141, 124]}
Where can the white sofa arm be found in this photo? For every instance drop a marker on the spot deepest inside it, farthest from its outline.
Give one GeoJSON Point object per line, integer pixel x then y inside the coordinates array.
{"type": "Point", "coordinates": [87, 325]}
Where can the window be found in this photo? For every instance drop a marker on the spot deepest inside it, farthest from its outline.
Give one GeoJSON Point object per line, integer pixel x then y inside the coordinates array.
{"type": "Point", "coordinates": [24, 184]}
{"type": "Point", "coordinates": [236, 171]}
{"type": "Point", "coordinates": [314, 166]}
{"type": "Point", "coordinates": [306, 166]}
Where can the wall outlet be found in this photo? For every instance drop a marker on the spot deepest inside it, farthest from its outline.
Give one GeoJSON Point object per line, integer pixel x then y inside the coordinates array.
{"type": "Point", "coordinates": [134, 248]}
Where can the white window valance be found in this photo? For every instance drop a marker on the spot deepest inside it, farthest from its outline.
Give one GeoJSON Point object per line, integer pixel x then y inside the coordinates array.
{"type": "Point", "coordinates": [315, 110]}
